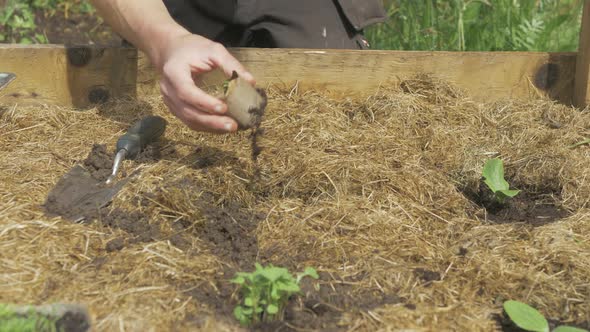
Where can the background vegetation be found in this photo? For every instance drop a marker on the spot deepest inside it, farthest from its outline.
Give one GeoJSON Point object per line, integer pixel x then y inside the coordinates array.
{"type": "Point", "coordinates": [480, 25]}
{"type": "Point", "coordinates": [20, 19]}
{"type": "Point", "coordinates": [451, 25]}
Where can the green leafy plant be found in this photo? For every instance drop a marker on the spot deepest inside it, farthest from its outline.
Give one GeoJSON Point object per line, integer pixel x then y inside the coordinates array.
{"type": "Point", "coordinates": [265, 293]}
{"type": "Point", "coordinates": [493, 173]}
{"type": "Point", "coordinates": [10, 321]}
{"type": "Point", "coordinates": [529, 319]}
{"type": "Point", "coordinates": [18, 23]}
{"type": "Point", "coordinates": [479, 25]}
{"type": "Point", "coordinates": [17, 18]}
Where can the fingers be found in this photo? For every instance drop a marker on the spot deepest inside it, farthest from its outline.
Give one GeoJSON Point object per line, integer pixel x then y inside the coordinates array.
{"type": "Point", "coordinates": [224, 60]}
{"type": "Point", "coordinates": [179, 79]}
{"type": "Point", "coordinates": [197, 119]}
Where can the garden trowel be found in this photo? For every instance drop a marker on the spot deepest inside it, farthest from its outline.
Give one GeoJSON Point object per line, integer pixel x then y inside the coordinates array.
{"type": "Point", "coordinates": [80, 195]}
{"type": "Point", "coordinates": [5, 79]}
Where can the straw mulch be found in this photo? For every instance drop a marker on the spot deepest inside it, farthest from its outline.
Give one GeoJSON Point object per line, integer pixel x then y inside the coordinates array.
{"type": "Point", "coordinates": [369, 191]}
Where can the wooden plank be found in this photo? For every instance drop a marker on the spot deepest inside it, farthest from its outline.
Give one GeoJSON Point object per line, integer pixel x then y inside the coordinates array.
{"type": "Point", "coordinates": [582, 86]}
{"type": "Point", "coordinates": [83, 76]}
{"type": "Point", "coordinates": [68, 76]}
{"type": "Point", "coordinates": [484, 75]}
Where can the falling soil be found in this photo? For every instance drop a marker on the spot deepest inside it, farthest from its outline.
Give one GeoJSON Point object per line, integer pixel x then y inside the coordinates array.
{"type": "Point", "coordinates": [257, 132]}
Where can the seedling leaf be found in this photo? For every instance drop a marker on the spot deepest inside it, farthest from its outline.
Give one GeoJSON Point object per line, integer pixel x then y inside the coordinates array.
{"type": "Point", "coordinates": [509, 193]}
{"type": "Point", "coordinates": [272, 309]}
{"type": "Point", "coordinates": [569, 329]}
{"type": "Point", "coordinates": [493, 173]}
{"type": "Point", "coordinates": [266, 290]}
{"type": "Point", "coordinates": [273, 273]}
{"type": "Point", "coordinates": [526, 317]}
{"type": "Point", "coordinates": [308, 272]}
{"type": "Point", "coordinates": [248, 302]}
{"type": "Point", "coordinates": [238, 280]}
{"type": "Point", "coordinates": [288, 287]}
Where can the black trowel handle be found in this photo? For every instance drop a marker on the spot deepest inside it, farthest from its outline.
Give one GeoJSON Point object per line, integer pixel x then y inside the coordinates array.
{"type": "Point", "coordinates": [142, 133]}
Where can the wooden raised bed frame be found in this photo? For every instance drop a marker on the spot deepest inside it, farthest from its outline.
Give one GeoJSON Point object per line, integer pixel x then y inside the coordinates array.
{"type": "Point", "coordinates": [82, 76]}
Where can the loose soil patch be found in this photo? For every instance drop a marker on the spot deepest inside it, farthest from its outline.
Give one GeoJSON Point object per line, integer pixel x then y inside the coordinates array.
{"type": "Point", "coordinates": [529, 208]}
{"type": "Point", "coordinates": [374, 193]}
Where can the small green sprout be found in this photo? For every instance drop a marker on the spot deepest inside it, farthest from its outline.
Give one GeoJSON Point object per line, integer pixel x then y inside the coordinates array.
{"type": "Point", "coordinates": [266, 292]}
{"type": "Point", "coordinates": [529, 319]}
{"type": "Point", "coordinates": [493, 173]}
{"type": "Point", "coordinates": [31, 322]}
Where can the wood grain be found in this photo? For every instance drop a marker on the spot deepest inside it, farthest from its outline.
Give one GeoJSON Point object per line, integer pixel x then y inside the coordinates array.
{"type": "Point", "coordinates": [82, 77]}
{"type": "Point", "coordinates": [67, 76]}
{"type": "Point", "coordinates": [582, 88]}
{"type": "Point", "coordinates": [484, 75]}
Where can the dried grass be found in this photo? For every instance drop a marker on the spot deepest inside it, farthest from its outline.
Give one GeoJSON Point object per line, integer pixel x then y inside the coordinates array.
{"type": "Point", "coordinates": [369, 189]}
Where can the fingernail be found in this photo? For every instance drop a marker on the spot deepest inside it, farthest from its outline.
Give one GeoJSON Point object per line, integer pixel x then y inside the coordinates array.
{"type": "Point", "coordinates": [228, 127]}
{"type": "Point", "coordinates": [218, 108]}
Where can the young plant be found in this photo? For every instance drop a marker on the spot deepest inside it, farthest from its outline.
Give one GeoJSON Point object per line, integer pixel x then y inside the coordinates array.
{"type": "Point", "coordinates": [529, 319]}
{"type": "Point", "coordinates": [266, 292]}
{"type": "Point", "coordinates": [10, 320]}
{"type": "Point", "coordinates": [493, 173]}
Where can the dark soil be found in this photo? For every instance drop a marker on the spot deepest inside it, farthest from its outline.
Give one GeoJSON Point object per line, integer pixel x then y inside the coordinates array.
{"type": "Point", "coordinates": [314, 310]}
{"type": "Point", "coordinates": [115, 244]}
{"type": "Point", "coordinates": [99, 163]}
{"type": "Point", "coordinates": [427, 276]}
{"type": "Point", "coordinates": [528, 207]}
{"type": "Point", "coordinates": [82, 196]}
{"type": "Point", "coordinates": [73, 321]}
{"type": "Point", "coordinates": [230, 230]}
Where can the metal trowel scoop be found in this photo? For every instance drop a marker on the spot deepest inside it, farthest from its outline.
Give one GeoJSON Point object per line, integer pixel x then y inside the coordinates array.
{"type": "Point", "coordinates": [80, 196]}
{"type": "Point", "coordinates": [5, 79]}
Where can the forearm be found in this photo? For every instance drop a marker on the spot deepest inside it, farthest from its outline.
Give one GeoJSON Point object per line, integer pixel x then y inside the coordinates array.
{"type": "Point", "coordinates": [144, 23]}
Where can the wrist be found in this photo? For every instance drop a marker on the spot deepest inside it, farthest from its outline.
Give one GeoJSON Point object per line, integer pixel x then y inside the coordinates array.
{"type": "Point", "coordinates": [157, 40]}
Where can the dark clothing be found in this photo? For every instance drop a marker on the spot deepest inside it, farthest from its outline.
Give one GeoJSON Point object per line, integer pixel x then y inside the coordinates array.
{"type": "Point", "coordinates": [280, 23]}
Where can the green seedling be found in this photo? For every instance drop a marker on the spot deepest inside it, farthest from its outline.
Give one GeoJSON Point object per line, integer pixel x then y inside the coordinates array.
{"type": "Point", "coordinates": [265, 293]}
{"type": "Point", "coordinates": [31, 322]}
{"type": "Point", "coordinates": [493, 173]}
{"type": "Point", "coordinates": [529, 319]}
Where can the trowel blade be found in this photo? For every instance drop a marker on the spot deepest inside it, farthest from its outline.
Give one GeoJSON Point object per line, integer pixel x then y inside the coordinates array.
{"type": "Point", "coordinates": [5, 79]}
{"type": "Point", "coordinates": [78, 196]}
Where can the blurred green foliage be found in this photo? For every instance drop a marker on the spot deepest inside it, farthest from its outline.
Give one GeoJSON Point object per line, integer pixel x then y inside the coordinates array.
{"type": "Point", "coordinates": [17, 18]}
{"type": "Point", "coordinates": [435, 25]}
{"type": "Point", "coordinates": [479, 25]}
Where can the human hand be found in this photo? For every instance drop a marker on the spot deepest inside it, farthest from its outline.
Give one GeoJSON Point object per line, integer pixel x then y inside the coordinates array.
{"type": "Point", "coordinates": [178, 61]}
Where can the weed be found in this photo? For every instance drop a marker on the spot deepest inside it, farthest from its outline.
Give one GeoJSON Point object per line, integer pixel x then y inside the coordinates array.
{"type": "Point", "coordinates": [266, 292]}
{"type": "Point", "coordinates": [529, 319]}
{"type": "Point", "coordinates": [493, 173]}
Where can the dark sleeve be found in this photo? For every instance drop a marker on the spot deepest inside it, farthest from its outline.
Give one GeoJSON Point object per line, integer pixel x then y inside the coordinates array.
{"type": "Point", "coordinates": [363, 13]}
